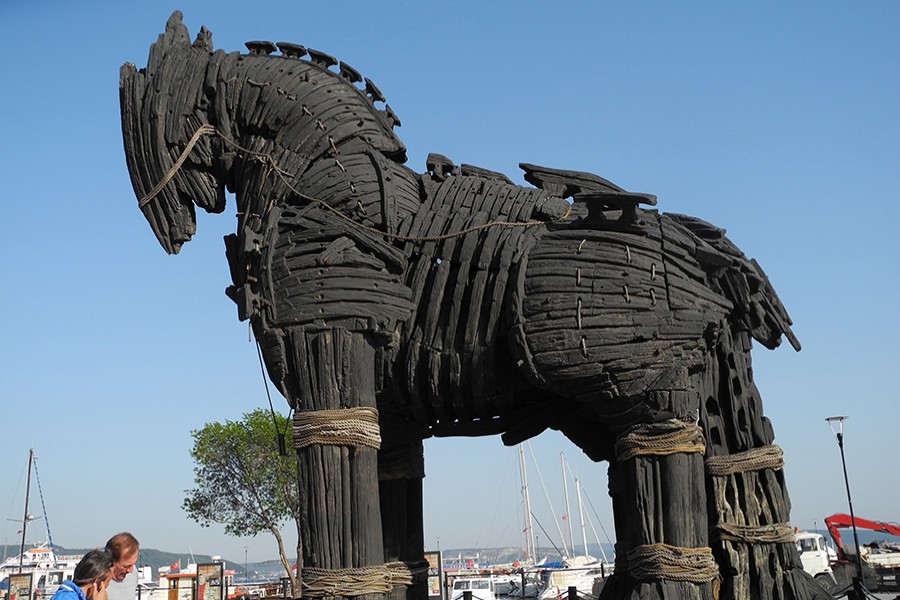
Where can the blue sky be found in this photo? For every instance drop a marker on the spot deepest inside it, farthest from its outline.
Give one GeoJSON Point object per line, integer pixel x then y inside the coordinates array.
{"type": "Point", "coordinates": [777, 121]}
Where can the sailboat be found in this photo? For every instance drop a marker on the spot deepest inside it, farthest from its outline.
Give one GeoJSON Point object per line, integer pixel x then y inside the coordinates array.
{"type": "Point", "coordinates": [38, 570]}
{"type": "Point", "coordinates": [524, 584]}
{"type": "Point", "coordinates": [584, 572]}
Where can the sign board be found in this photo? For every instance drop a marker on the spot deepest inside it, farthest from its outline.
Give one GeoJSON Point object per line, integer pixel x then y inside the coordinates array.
{"type": "Point", "coordinates": [210, 581]}
{"type": "Point", "coordinates": [435, 575]}
{"type": "Point", "coordinates": [19, 587]}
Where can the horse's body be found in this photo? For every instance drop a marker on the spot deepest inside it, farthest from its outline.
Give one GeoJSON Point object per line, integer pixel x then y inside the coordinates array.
{"type": "Point", "coordinates": [456, 302]}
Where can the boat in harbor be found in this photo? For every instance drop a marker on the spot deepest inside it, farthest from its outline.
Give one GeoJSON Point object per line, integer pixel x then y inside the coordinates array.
{"type": "Point", "coordinates": [581, 572]}
{"type": "Point", "coordinates": [585, 573]}
{"type": "Point", "coordinates": [529, 590]}
{"type": "Point", "coordinates": [46, 568]}
{"type": "Point", "coordinates": [481, 588]}
{"type": "Point", "coordinates": [503, 582]}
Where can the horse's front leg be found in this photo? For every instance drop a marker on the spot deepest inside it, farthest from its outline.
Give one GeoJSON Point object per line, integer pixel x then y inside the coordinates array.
{"type": "Point", "coordinates": [337, 439]}
{"type": "Point", "coordinates": [401, 469]}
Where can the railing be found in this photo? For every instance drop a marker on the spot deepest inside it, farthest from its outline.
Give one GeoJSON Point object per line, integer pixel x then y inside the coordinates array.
{"type": "Point", "coordinates": [572, 594]}
{"type": "Point", "coordinates": [536, 581]}
{"type": "Point", "coordinates": [234, 592]}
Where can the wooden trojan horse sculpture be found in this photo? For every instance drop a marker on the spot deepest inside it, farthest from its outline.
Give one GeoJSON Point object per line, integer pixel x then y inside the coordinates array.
{"type": "Point", "coordinates": [393, 306]}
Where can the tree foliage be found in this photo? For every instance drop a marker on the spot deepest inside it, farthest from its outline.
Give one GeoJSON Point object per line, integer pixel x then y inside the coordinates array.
{"type": "Point", "coordinates": [241, 480]}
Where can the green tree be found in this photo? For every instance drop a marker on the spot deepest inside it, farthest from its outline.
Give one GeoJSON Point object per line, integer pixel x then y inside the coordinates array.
{"type": "Point", "coordinates": [242, 481]}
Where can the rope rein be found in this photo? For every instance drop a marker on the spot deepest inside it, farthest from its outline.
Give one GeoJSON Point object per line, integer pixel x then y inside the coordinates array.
{"type": "Point", "coordinates": [283, 176]}
{"type": "Point", "coordinates": [201, 131]}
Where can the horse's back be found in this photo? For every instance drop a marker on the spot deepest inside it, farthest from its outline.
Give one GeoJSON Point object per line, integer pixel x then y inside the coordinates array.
{"type": "Point", "coordinates": [604, 312]}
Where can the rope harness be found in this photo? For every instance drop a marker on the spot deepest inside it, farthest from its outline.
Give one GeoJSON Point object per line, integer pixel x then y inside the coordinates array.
{"type": "Point", "coordinates": [341, 427]}
{"type": "Point", "coordinates": [272, 165]}
{"type": "Point", "coordinates": [364, 580]}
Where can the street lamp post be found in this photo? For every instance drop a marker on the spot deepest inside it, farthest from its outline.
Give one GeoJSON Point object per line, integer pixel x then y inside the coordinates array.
{"type": "Point", "coordinates": [837, 428]}
{"type": "Point", "coordinates": [246, 571]}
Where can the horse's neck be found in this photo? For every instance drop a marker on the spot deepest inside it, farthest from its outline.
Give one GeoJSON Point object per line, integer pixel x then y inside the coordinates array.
{"type": "Point", "coordinates": [288, 117]}
{"type": "Point", "coordinates": [299, 110]}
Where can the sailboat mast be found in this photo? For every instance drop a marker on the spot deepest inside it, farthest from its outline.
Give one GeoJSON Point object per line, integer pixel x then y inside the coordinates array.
{"type": "Point", "coordinates": [581, 517]}
{"type": "Point", "coordinates": [25, 518]}
{"type": "Point", "coordinates": [562, 460]}
{"type": "Point", "coordinates": [526, 501]}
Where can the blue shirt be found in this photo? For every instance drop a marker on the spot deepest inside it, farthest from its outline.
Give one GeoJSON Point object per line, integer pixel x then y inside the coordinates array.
{"type": "Point", "coordinates": [69, 591]}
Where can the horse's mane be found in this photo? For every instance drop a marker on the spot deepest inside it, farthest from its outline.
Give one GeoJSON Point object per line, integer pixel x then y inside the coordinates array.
{"type": "Point", "coordinates": [347, 74]}
{"type": "Point", "coordinates": [306, 101]}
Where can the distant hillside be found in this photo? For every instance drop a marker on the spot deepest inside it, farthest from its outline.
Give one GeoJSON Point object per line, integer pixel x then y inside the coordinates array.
{"type": "Point", "coordinates": [153, 558]}
{"type": "Point", "coordinates": [488, 556]}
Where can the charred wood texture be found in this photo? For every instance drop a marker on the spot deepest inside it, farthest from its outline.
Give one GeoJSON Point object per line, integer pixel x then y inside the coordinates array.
{"type": "Point", "coordinates": [392, 306]}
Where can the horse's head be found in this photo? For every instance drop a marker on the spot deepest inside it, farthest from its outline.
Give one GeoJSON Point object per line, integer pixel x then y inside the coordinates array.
{"type": "Point", "coordinates": [165, 114]}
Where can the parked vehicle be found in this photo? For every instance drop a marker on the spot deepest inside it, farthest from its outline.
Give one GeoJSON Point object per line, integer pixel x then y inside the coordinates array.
{"type": "Point", "coordinates": [816, 558]}
{"type": "Point", "coordinates": [880, 560]}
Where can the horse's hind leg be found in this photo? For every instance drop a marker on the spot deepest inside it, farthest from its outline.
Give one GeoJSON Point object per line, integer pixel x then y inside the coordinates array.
{"type": "Point", "coordinates": [725, 509]}
{"type": "Point", "coordinates": [338, 464]}
{"type": "Point", "coordinates": [657, 485]}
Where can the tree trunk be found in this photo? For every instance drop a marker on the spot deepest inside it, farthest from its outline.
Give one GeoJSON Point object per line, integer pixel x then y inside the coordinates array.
{"type": "Point", "coordinates": [285, 562]}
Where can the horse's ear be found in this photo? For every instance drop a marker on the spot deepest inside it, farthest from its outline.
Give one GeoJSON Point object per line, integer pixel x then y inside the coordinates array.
{"type": "Point", "coordinates": [175, 37]}
{"type": "Point", "coordinates": [174, 26]}
{"type": "Point", "coordinates": [203, 39]}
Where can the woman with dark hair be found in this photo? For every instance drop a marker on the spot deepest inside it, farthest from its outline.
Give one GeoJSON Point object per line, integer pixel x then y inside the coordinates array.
{"type": "Point", "coordinates": [91, 577]}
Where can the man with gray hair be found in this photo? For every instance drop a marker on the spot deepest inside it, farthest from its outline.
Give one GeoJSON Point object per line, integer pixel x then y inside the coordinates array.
{"type": "Point", "coordinates": [125, 550]}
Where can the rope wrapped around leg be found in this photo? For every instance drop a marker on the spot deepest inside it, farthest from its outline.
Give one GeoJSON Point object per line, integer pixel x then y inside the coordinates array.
{"type": "Point", "coordinates": [408, 573]}
{"type": "Point", "coordinates": [755, 459]}
{"type": "Point", "coordinates": [780, 533]}
{"type": "Point", "coordinates": [660, 439]}
{"type": "Point", "coordinates": [662, 561]}
{"type": "Point", "coordinates": [342, 427]}
{"type": "Point", "coordinates": [363, 580]}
